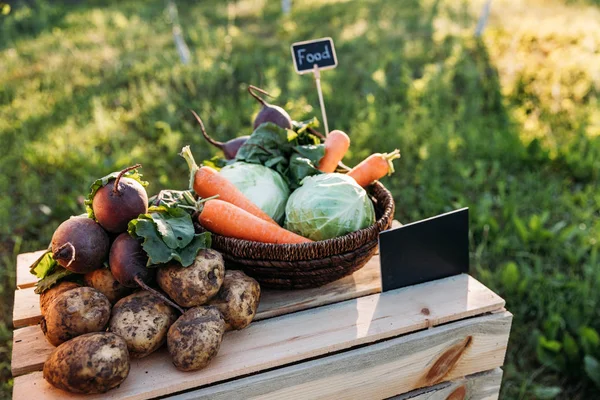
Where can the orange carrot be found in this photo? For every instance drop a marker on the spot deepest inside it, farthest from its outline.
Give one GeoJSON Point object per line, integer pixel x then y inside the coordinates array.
{"type": "Point", "coordinates": [207, 182]}
{"type": "Point", "coordinates": [336, 145]}
{"type": "Point", "coordinates": [227, 219]}
{"type": "Point", "coordinates": [374, 167]}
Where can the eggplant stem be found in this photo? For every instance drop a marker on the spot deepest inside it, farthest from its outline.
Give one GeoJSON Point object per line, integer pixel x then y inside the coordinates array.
{"type": "Point", "coordinates": [155, 292]}
{"type": "Point", "coordinates": [123, 172]}
{"type": "Point", "coordinates": [251, 89]}
{"type": "Point", "coordinates": [60, 254]}
{"type": "Point", "coordinates": [210, 140]}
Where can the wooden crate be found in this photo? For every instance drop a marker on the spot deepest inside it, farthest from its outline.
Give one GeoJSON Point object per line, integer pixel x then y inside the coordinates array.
{"type": "Point", "coordinates": [444, 339]}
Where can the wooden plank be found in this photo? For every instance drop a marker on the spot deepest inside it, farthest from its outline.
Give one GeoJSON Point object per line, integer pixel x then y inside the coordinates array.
{"type": "Point", "coordinates": [481, 386]}
{"type": "Point", "coordinates": [26, 309]}
{"type": "Point", "coordinates": [381, 370]}
{"type": "Point", "coordinates": [363, 282]}
{"type": "Point", "coordinates": [291, 338]}
{"type": "Point", "coordinates": [24, 261]}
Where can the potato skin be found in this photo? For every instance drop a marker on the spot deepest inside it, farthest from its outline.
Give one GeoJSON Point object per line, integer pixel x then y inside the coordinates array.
{"type": "Point", "coordinates": [143, 320]}
{"type": "Point", "coordinates": [75, 312]}
{"type": "Point", "coordinates": [237, 300]}
{"type": "Point", "coordinates": [195, 338]}
{"type": "Point", "coordinates": [91, 363]}
{"type": "Point", "coordinates": [49, 295]}
{"type": "Point", "coordinates": [104, 281]}
{"type": "Point", "coordinates": [194, 285]}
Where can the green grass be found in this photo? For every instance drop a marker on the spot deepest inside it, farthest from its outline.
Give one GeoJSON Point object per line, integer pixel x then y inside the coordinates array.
{"type": "Point", "coordinates": [508, 125]}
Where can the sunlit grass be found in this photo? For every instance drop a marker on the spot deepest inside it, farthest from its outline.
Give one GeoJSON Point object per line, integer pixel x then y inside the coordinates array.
{"type": "Point", "coordinates": [507, 126]}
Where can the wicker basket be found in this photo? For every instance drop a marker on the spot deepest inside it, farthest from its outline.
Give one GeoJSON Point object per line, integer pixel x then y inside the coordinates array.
{"type": "Point", "coordinates": [299, 266]}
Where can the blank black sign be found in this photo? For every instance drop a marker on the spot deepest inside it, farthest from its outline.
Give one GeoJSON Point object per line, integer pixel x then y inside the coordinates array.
{"type": "Point", "coordinates": [318, 52]}
{"type": "Point", "coordinates": [426, 250]}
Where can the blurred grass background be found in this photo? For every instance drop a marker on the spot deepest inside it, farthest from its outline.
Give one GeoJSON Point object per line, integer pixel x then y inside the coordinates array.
{"type": "Point", "coordinates": [507, 124]}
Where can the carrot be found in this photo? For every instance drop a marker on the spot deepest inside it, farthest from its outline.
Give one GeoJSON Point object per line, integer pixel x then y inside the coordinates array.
{"type": "Point", "coordinates": [374, 167]}
{"type": "Point", "coordinates": [207, 182]}
{"type": "Point", "coordinates": [227, 219]}
{"type": "Point", "coordinates": [336, 145]}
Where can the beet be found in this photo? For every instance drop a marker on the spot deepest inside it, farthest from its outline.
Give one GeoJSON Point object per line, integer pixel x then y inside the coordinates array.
{"type": "Point", "coordinates": [127, 260]}
{"type": "Point", "coordinates": [229, 148]}
{"type": "Point", "coordinates": [117, 204]}
{"type": "Point", "coordinates": [80, 245]}
{"type": "Point", "coordinates": [269, 112]}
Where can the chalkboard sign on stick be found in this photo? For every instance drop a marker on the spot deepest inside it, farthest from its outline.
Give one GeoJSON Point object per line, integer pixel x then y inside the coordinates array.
{"type": "Point", "coordinates": [319, 52]}
{"type": "Point", "coordinates": [426, 250]}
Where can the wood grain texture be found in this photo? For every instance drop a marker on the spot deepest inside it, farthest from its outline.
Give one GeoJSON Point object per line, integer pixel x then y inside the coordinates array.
{"type": "Point", "coordinates": [291, 338]}
{"type": "Point", "coordinates": [381, 370]}
{"type": "Point", "coordinates": [363, 282]}
{"type": "Point", "coordinates": [26, 310]}
{"type": "Point", "coordinates": [481, 386]}
{"type": "Point", "coordinates": [24, 261]}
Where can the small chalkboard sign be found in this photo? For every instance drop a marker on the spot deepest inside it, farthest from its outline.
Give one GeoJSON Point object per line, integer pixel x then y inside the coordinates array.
{"type": "Point", "coordinates": [426, 250]}
{"type": "Point", "coordinates": [319, 52]}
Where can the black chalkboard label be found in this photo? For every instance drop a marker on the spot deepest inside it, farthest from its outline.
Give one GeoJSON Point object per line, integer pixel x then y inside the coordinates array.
{"type": "Point", "coordinates": [426, 250]}
{"type": "Point", "coordinates": [319, 51]}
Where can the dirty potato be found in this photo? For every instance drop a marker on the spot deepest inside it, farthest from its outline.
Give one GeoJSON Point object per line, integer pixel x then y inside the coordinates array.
{"type": "Point", "coordinates": [195, 338]}
{"type": "Point", "coordinates": [194, 285]}
{"type": "Point", "coordinates": [75, 312]}
{"type": "Point", "coordinates": [49, 295]}
{"type": "Point", "coordinates": [104, 281]}
{"type": "Point", "coordinates": [91, 363]}
{"type": "Point", "coordinates": [143, 320]}
{"type": "Point", "coordinates": [237, 299]}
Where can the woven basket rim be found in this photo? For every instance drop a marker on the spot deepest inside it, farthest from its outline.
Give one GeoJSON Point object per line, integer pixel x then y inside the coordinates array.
{"type": "Point", "coordinates": [384, 203]}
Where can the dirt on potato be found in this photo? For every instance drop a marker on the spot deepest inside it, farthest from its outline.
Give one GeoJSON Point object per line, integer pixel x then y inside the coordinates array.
{"type": "Point", "coordinates": [49, 295]}
{"type": "Point", "coordinates": [143, 320]}
{"type": "Point", "coordinates": [75, 312]}
{"type": "Point", "coordinates": [237, 300]}
{"type": "Point", "coordinates": [91, 363]}
{"type": "Point", "coordinates": [194, 285]}
{"type": "Point", "coordinates": [195, 338]}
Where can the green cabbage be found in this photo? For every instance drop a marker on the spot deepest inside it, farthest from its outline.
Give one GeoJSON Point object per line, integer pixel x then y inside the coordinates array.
{"type": "Point", "coordinates": [328, 206]}
{"type": "Point", "coordinates": [261, 185]}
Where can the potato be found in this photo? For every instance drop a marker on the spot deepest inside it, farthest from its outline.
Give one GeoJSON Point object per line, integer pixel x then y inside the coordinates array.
{"type": "Point", "coordinates": [143, 320]}
{"type": "Point", "coordinates": [194, 339]}
{"type": "Point", "coordinates": [194, 285]}
{"type": "Point", "coordinates": [75, 312]}
{"type": "Point", "coordinates": [237, 300]}
{"type": "Point", "coordinates": [91, 363]}
{"type": "Point", "coordinates": [49, 295]}
{"type": "Point", "coordinates": [104, 281]}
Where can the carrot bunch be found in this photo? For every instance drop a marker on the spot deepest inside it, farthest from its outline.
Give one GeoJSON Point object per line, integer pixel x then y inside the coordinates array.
{"type": "Point", "coordinates": [374, 167]}
{"type": "Point", "coordinates": [233, 214]}
{"type": "Point", "coordinates": [227, 219]}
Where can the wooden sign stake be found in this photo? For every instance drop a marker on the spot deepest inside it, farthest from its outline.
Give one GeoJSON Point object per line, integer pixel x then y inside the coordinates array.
{"type": "Point", "coordinates": [320, 54]}
{"type": "Point", "coordinates": [317, 73]}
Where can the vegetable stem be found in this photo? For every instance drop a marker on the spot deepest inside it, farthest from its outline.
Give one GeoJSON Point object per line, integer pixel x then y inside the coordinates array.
{"type": "Point", "coordinates": [66, 252]}
{"type": "Point", "coordinates": [123, 172]}
{"type": "Point", "coordinates": [186, 153]}
{"type": "Point", "coordinates": [144, 286]}
{"type": "Point", "coordinates": [261, 101]}
{"type": "Point", "coordinates": [389, 157]}
{"type": "Point", "coordinates": [209, 139]}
